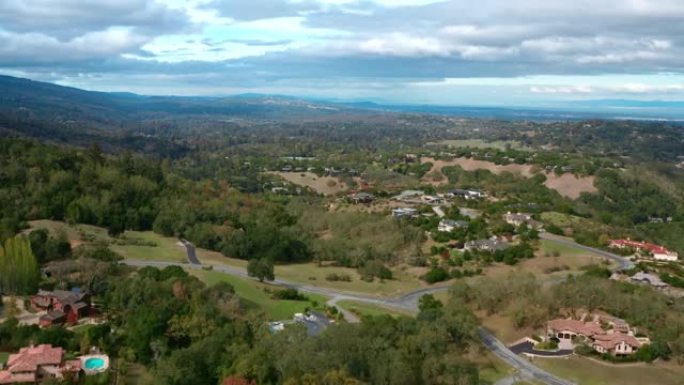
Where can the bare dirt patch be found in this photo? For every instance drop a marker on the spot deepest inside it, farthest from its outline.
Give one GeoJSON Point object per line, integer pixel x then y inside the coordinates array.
{"type": "Point", "coordinates": [570, 185]}
{"type": "Point", "coordinates": [470, 164]}
{"type": "Point", "coordinates": [325, 185]}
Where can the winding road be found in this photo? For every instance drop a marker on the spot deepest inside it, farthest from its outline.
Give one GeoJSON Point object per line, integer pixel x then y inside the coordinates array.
{"type": "Point", "coordinates": [408, 302]}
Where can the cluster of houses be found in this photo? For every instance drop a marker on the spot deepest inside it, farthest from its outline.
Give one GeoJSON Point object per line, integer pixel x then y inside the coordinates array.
{"type": "Point", "coordinates": [61, 306]}
{"type": "Point", "coordinates": [659, 253]}
{"type": "Point", "coordinates": [35, 364]}
{"type": "Point", "coordinates": [617, 339]}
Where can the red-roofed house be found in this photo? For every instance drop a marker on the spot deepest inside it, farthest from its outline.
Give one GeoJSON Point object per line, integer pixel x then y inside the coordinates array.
{"type": "Point", "coordinates": [34, 363]}
{"type": "Point", "coordinates": [658, 252]}
{"type": "Point", "coordinates": [617, 341]}
{"type": "Point", "coordinates": [61, 306]}
{"type": "Point", "coordinates": [619, 344]}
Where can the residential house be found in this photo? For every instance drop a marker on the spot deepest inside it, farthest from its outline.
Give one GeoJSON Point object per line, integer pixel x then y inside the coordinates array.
{"type": "Point", "coordinates": [404, 212]}
{"type": "Point", "coordinates": [448, 225]}
{"type": "Point", "coordinates": [658, 252]}
{"type": "Point", "coordinates": [61, 306]}
{"type": "Point", "coordinates": [490, 245]}
{"type": "Point", "coordinates": [362, 197]}
{"type": "Point", "coordinates": [618, 340]}
{"type": "Point", "coordinates": [432, 200]}
{"type": "Point", "coordinates": [35, 363]}
{"type": "Point", "coordinates": [409, 195]}
{"type": "Point", "coordinates": [467, 193]}
{"type": "Point", "coordinates": [648, 279]}
{"type": "Point", "coordinates": [517, 219]}
{"type": "Point", "coordinates": [618, 344]}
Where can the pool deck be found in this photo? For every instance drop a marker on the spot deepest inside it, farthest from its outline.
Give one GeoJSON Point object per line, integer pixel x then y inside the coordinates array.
{"type": "Point", "coordinates": [91, 371]}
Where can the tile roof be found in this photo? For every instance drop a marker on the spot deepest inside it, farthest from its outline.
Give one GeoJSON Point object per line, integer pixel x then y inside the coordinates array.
{"type": "Point", "coordinates": [609, 341]}
{"type": "Point", "coordinates": [29, 359]}
{"type": "Point", "coordinates": [653, 248]}
{"type": "Point", "coordinates": [589, 329]}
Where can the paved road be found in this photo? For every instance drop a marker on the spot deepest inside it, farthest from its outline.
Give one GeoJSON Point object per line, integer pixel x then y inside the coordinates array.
{"type": "Point", "coordinates": [409, 302]}
{"type": "Point", "coordinates": [526, 368]}
{"type": "Point", "coordinates": [623, 263]}
{"type": "Point", "coordinates": [528, 347]}
{"type": "Point", "coordinates": [190, 251]}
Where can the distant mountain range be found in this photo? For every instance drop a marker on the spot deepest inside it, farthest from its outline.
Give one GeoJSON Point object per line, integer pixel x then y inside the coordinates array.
{"type": "Point", "coordinates": [25, 103]}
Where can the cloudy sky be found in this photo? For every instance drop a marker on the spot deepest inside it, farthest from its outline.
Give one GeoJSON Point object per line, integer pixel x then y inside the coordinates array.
{"type": "Point", "coordinates": [484, 52]}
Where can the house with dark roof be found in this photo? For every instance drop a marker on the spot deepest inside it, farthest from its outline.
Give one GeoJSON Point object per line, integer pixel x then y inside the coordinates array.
{"type": "Point", "coordinates": [61, 306]}
{"type": "Point", "coordinates": [362, 197]}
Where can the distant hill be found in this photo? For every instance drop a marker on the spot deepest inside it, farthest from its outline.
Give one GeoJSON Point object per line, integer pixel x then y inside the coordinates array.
{"type": "Point", "coordinates": [124, 120]}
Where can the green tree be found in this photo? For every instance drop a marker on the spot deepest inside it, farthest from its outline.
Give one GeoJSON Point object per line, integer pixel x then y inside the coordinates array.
{"type": "Point", "coordinates": [261, 268]}
{"type": "Point", "coordinates": [19, 273]}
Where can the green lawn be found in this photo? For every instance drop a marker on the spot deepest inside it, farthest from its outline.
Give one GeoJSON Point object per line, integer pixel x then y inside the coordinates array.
{"type": "Point", "coordinates": [587, 372]}
{"type": "Point", "coordinates": [546, 246]}
{"type": "Point", "coordinates": [166, 249]}
{"type": "Point", "coordinates": [253, 292]}
{"type": "Point", "coordinates": [362, 309]}
{"type": "Point", "coordinates": [150, 246]}
{"type": "Point", "coordinates": [312, 274]}
{"type": "Point", "coordinates": [3, 357]}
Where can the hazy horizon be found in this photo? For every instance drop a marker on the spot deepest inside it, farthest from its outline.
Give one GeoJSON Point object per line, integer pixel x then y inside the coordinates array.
{"type": "Point", "coordinates": [521, 53]}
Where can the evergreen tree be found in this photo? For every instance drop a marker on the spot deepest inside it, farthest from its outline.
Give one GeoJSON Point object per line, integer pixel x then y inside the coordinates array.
{"type": "Point", "coordinates": [19, 272]}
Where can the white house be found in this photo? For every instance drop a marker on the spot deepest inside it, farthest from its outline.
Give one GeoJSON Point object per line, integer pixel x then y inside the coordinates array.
{"type": "Point", "coordinates": [448, 225]}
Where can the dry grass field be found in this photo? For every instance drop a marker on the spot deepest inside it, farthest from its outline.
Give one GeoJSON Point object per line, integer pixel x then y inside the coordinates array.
{"type": "Point", "coordinates": [325, 185]}
{"type": "Point", "coordinates": [567, 184]}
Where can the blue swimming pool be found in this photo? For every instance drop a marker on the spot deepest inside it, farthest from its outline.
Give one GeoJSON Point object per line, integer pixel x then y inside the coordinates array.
{"type": "Point", "coordinates": [94, 363]}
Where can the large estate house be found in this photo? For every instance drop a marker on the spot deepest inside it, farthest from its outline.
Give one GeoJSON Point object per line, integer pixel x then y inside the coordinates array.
{"type": "Point", "coordinates": [35, 363]}
{"type": "Point", "coordinates": [658, 252]}
{"type": "Point", "coordinates": [518, 219]}
{"type": "Point", "coordinates": [617, 340]}
{"type": "Point", "coordinates": [61, 306]}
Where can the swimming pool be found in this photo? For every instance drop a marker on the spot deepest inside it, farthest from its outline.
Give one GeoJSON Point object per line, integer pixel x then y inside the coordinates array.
{"type": "Point", "coordinates": [94, 363]}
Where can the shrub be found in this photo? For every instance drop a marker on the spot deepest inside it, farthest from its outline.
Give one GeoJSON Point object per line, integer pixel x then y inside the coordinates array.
{"type": "Point", "coordinates": [436, 274]}
{"type": "Point", "coordinates": [333, 277]}
{"type": "Point", "coordinates": [289, 294]}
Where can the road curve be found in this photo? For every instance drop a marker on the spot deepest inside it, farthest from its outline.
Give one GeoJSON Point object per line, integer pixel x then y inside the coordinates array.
{"type": "Point", "coordinates": [623, 263]}
{"type": "Point", "coordinates": [407, 302]}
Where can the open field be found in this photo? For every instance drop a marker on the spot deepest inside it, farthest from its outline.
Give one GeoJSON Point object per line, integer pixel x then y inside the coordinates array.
{"type": "Point", "coordinates": [588, 372]}
{"type": "Point", "coordinates": [470, 164]}
{"type": "Point", "coordinates": [362, 309]}
{"type": "Point", "coordinates": [142, 245]}
{"type": "Point", "coordinates": [569, 260]}
{"type": "Point", "coordinates": [169, 249]}
{"type": "Point", "coordinates": [312, 274]}
{"type": "Point", "coordinates": [569, 185]}
{"type": "Point", "coordinates": [325, 185]}
{"type": "Point", "coordinates": [75, 233]}
{"type": "Point", "coordinates": [566, 184]}
{"type": "Point", "coordinates": [479, 143]}
{"type": "Point", "coordinates": [254, 293]}
{"type": "Point", "coordinates": [569, 221]}
{"type": "Point", "coordinates": [503, 327]}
